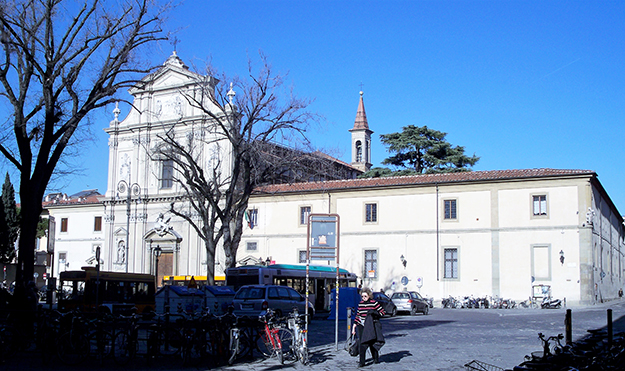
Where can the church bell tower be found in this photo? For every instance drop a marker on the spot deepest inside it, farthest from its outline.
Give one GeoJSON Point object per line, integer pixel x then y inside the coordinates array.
{"type": "Point", "coordinates": [361, 139]}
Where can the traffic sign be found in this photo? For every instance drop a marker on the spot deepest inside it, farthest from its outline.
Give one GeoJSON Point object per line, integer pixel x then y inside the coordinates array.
{"type": "Point", "coordinates": [419, 282]}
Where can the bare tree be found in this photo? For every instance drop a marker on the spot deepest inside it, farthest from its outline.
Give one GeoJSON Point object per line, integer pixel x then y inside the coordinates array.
{"type": "Point", "coordinates": [247, 139]}
{"type": "Point", "coordinates": [62, 60]}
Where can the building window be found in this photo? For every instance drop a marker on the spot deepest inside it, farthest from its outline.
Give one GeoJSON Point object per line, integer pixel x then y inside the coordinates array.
{"type": "Point", "coordinates": [251, 217]}
{"type": "Point", "coordinates": [371, 213]}
{"type": "Point", "coordinates": [371, 263]}
{"type": "Point", "coordinates": [97, 224]}
{"type": "Point", "coordinates": [167, 173]}
{"type": "Point", "coordinates": [302, 256]}
{"type": "Point", "coordinates": [358, 151]}
{"type": "Point", "coordinates": [451, 263]}
{"type": "Point", "coordinates": [304, 212]}
{"type": "Point", "coordinates": [539, 205]}
{"type": "Point", "coordinates": [451, 212]}
{"type": "Point", "coordinates": [63, 224]}
{"type": "Point", "coordinates": [541, 262]}
{"type": "Point", "coordinates": [251, 246]}
{"type": "Point", "coordinates": [63, 260]}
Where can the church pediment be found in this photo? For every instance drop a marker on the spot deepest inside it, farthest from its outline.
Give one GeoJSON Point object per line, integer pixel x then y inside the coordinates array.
{"type": "Point", "coordinates": [156, 235]}
{"type": "Point", "coordinates": [174, 75]}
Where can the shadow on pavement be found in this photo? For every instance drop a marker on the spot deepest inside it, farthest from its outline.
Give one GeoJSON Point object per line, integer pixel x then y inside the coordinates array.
{"type": "Point", "coordinates": [320, 356]}
{"type": "Point", "coordinates": [395, 356]}
{"type": "Point", "coordinates": [391, 326]}
{"type": "Point", "coordinates": [322, 332]}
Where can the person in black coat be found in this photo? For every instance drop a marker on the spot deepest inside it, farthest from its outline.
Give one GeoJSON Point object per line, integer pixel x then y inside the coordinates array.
{"type": "Point", "coordinates": [368, 326]}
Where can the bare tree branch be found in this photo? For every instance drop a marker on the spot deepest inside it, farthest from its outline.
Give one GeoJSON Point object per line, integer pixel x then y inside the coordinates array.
{"type": "Point", "coordinates": [245, 140]}
{"type": "Point", "coordinates": [62, 60]}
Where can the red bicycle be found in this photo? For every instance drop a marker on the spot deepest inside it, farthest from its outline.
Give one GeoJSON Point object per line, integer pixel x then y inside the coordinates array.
{"type": "Point", "coordinates": [273, 340]}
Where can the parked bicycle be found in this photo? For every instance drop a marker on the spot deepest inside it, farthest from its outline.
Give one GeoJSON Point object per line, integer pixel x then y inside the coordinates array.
{"type": "Point", "coordinates": [126, 341]}
{"type": "Point", "coordinates": [273, 340]}
{"type": "Point", "coordinates": [73, 346]}
{"type": "Point", "coordinates": [164, 338]}
{"type": "Point", "coordinates": [296, 323]}
{"type": "Point", "coordinates": [241, 338]}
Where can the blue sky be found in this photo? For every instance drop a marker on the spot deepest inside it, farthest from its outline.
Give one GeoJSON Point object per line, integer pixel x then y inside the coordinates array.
{"type": "Point", "coordinates": [521, 84]}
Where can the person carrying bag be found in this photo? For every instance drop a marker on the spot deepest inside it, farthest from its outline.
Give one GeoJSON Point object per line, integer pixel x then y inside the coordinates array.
{"type": "Point", "coordinates": [368, 326]}
{"type": "Point", "coordinates": [352, 345]}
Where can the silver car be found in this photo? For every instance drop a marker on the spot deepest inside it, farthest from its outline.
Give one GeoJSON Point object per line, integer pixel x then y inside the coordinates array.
{"type": "Point", "coordinates": [410, 301]}
{"type": "Point", "coordinates": [252, 300]}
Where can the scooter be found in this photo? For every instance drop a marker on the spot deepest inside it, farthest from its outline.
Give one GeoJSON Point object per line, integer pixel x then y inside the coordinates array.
{"type": "Point", "coordinates": [549, 303]}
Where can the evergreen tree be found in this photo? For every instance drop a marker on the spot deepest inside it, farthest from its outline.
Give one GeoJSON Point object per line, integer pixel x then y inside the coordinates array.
{"type": "Point", "coordinates": [421, 150]}
{"type": "Point", "coordinates": [9, 222]}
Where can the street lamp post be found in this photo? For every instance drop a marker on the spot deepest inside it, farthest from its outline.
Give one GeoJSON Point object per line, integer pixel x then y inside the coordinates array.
{"type": "Point", "coordinates": [97, 281]}
{"type": "Point", "coordinates": [157, 254]}
{"type": "Point", "coordinates": [130, 190]}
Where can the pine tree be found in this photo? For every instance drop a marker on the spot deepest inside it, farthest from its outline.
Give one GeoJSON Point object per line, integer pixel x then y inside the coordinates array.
{"type": "Point", "coordinates": [9, 222]}
{"type": "Point", "coordinates": [421, 150]}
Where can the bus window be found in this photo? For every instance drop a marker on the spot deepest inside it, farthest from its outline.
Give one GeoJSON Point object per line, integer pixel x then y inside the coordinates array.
{"type": "Point", "coordinates": [116, 291]}
{"type": "Point", "coordinates": [293, 276]}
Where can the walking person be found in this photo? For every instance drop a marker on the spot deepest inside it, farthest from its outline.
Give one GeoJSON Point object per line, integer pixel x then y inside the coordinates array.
{"type": "Point", "coordinates": [367, 323]}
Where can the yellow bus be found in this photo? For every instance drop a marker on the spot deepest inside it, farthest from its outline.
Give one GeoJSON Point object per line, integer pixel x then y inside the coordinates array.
{"type": "Point", "coordinates": [116, 292]}
{"type": "Point", "coordinates": [186, 280]}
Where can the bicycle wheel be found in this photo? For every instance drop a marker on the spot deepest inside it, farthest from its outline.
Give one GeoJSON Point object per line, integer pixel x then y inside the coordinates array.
{"type": "Point", "coordinates": [8, 343]}
{"type": "Point", "coordinates": [46, 345]}
{"type": "Point", "coordinates": [280, 356]}
{"type": "Point", "coordinates": [72, 348]}
{"type": "Point", "coordinates": [100, 344]}
{"type": "Point", "coordinates": [245, 344]}
{"type": "Point", "coordinates": [287, 352]}
{"type": "Point", "coordinates": [169, 341]}
{"type": "Point", "coordinates": [191, 351]}
{"type": "Point", "coordinates": [263, 345]}
{"type": "Point", "coordinates": [234, 346]}
{"type": "Point", "coordinates": [303, 351]}
{"type": "Point", "coordinates": [124, 349]}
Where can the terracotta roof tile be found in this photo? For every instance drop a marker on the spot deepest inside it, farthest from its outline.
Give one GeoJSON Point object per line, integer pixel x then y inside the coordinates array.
{"type": "Point", "coordinates": [468, 176]}
{"type": "Point", "coordinates": [91, 199]}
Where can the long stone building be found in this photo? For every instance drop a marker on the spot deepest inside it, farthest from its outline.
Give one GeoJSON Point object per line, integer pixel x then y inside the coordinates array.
{"type": "Point", "coordinates": [495, 233]}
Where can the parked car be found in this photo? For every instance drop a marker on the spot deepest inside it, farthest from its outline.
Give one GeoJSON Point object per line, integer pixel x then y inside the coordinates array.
{"type": "Point", "coordinates": [387, 304]}
{"type": "Point", "coordinates": [410, 301]}
{"type": "Point", "coordinates": [252, 300]}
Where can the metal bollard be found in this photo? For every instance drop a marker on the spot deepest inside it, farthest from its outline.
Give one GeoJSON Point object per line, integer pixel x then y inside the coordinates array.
{"type": "Point", "coordinates": [610, 329]}
{"type": "Point", "coordinates": [349, 322]}
{"type": "Point", "coordinates": [568, 325]}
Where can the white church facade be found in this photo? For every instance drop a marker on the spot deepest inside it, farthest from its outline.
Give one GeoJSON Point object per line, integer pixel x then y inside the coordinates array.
{"type": "Point", "coordinates": [479, 233]}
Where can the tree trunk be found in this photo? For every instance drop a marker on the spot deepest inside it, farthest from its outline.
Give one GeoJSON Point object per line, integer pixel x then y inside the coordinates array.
{"type": "Point", "coordinates": [210, 261]}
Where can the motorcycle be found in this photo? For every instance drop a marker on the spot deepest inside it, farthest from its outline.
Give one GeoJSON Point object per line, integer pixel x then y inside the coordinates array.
{"type": "Point", "coordinates": [549, 303]}
{"type": "Point", "coordinates": [449, 302]}
{"type": "Point", "coordinates": [484, 303]}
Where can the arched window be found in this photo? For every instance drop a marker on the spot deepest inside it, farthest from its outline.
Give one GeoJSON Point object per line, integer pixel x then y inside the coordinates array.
{"type": "Point", "coordinates": [358, 151]}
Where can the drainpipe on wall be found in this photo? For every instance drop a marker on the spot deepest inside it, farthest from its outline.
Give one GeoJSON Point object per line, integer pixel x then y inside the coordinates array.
{"type": "Point", "coordinates": [329, 203]}
{"type": "Point", "coordinates": [438, 265]}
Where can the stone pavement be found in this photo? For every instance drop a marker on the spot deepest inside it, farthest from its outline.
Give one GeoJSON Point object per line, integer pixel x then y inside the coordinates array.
{"type": "Point", "coordinates": [422, 348]}
{"type": "Point", "coordinates": [444, 340]}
